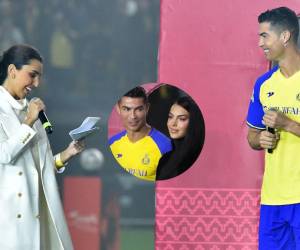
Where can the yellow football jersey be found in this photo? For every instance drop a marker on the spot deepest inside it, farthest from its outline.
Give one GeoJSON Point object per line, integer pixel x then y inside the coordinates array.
{"type": "Point", "coordinates": [281, 182]}
{"type": "Point", "coordinates": [140, 158]}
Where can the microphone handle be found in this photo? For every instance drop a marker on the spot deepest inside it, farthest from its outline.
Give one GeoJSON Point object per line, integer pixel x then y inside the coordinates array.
{"type": "Point", "coordinates": [46, 124]}
{"type": "Point", "coordinates": [271, 130]}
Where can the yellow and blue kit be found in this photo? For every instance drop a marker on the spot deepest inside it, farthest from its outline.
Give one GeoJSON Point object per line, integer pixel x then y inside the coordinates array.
{"type": "Point", "coordinates": [281, 182]}
{"type": "Point", "coordinates": [280, 194]}
{"type": "Point", "coordinates": [140, 158]}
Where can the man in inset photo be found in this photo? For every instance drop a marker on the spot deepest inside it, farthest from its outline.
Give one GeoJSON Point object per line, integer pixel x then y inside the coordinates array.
{"type": "Point", "coordinates": [139, 147]}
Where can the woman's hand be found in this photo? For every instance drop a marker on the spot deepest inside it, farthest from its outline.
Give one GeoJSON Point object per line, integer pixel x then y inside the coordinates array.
{"type": "Point", "coordinates": [74, 148]}
{"type": "Point", "coordinates": [34, 107]}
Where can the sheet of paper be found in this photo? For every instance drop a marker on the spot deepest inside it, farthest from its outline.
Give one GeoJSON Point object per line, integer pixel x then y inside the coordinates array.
{"type": "Point", "coordinates": [87, 127]}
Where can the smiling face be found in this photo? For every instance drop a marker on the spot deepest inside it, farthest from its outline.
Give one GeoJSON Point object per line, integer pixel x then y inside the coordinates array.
{"type": "Point", "coordinates": [178, 121]}
{"type": "Point", "coordinates": [22, 81]}
{"type": "Point", "coordinates": [133, 113]}
{"type": "Point", "coordinates": [271, 41]}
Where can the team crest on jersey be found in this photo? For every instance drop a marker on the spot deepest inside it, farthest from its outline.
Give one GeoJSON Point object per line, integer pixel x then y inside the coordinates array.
{"type": "Point", "coordinates": [146, 160]}
{"type": "Point", "coordinates": [298, 97]}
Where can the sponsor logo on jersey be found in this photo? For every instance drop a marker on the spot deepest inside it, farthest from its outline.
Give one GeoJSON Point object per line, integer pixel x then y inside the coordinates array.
{"type": "Point", "coordinates": [137, 172]}
{"type": "Point", "coordinates": [284, 110]}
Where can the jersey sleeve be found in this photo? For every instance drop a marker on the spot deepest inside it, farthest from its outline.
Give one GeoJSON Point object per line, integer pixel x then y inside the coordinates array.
{"type": "Point", "coordinates": [255, 110]}
{"type": "Point", "coordinates": [163, 142]}
{"type": "Point", "coordinates": [116, 137]}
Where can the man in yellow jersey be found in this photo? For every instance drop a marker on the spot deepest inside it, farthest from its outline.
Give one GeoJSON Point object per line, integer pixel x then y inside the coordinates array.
{"type": "Point", "coordinates": [139, 147]}
{"type": "Point", "coordinates": [274, 125]}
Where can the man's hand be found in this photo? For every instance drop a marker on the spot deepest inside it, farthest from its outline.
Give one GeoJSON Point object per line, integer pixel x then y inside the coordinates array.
{"type": "Point", "coordinates": [276, 119]}
{"type": "Point", "coordinates": [268, 140]}
{"type": "Point", "coordinates": [262, 139]}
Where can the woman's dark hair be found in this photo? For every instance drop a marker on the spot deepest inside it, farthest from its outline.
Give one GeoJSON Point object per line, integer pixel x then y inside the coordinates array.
{"type": "Point", "coordinates": [18, 55]}
{"type": "Point", "coordinates": [185, 150]}
{"type": "Point", "coordinates": [194, 138]}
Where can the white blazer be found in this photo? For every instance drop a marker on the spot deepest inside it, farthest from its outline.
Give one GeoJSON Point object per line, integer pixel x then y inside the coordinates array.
{"type": "Point", "coordinates": [19, 186]}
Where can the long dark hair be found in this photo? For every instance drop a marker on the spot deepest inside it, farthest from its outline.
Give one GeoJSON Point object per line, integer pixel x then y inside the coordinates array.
{"type": "Point", "coordinates": [18, 55]}
{"type": "Point", "coordinates": [194, 138]}
{"type": "Point", "coordinates": [185, 150]}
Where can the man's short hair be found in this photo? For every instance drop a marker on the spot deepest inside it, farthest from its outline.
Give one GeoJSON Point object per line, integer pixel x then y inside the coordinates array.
{"type": "Point", "coordinates": [282, 18]}
{"type": "Point", "coordinates": [137, 92]}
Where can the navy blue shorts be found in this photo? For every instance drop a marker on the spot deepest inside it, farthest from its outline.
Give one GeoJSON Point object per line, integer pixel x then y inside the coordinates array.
{"type": "Point", "coordinates": [279, 227]}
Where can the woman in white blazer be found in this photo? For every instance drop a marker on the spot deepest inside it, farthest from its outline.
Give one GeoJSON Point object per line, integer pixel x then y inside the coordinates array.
{"type": "Point", "coordinates": [31, 214]}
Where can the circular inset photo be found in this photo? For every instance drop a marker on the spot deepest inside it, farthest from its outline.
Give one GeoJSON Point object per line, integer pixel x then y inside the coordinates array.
{"type": "Point", "coordinates": [156, 131]}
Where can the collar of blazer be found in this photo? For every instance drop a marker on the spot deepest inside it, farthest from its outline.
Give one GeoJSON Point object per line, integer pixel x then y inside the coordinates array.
{"type": "Point", "coordinates": [16, 104]}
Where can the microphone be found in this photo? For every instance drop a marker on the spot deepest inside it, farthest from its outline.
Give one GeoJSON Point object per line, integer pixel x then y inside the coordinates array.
{"type": "Point", "coordinates": [272, 131]}
{"type": "Point", "coordinates": [44, 120]}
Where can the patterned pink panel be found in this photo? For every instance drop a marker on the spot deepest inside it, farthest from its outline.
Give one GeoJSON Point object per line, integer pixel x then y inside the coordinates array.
{"type": "Point", "coordinates": [191, 218]}
{"type": "Point", "coordinates": [210, 49]}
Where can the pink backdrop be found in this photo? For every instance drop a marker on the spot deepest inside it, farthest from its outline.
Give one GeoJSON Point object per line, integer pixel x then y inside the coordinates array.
{"type": "Point", "coordinates": [209, 49]}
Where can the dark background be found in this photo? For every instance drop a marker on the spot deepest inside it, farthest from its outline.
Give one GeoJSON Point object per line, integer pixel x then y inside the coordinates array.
{"type": "Point", "coordinates": [94, 51]}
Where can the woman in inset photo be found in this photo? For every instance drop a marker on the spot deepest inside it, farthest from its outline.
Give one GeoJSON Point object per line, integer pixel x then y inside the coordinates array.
{"type": "Point", "coordinates": [186, 129]}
